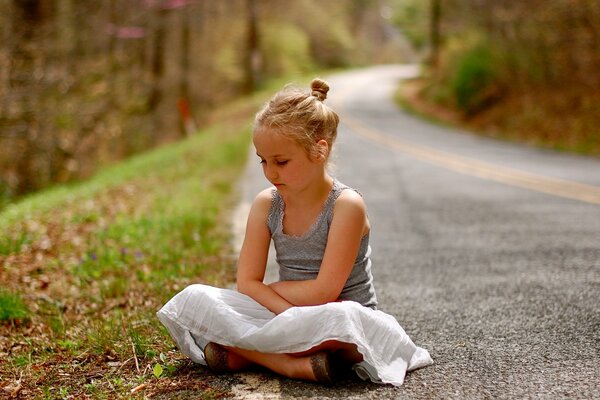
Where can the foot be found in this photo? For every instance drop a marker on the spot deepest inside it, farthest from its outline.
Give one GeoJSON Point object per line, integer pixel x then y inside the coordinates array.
{"type": "Point", "coordinates": [216, 357]}
{"type": "Point", "coordinates": [322, 368]}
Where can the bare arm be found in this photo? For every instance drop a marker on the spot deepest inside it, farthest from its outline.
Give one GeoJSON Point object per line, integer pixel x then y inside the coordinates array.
{"type": "Point", "coordinates": [349, 225]}
{"type": "Point", "coordinates": [252, 261]}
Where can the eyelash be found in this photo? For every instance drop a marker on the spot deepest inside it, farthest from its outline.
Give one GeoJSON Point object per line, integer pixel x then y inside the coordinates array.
{"type": "Point", "coordinates": [280, 163]}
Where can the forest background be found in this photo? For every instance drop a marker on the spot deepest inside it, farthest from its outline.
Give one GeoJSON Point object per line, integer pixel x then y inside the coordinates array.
{"type": "Point", "coordinates": [85, 83]}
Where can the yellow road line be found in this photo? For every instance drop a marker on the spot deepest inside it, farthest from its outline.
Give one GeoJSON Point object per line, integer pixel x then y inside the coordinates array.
{"type": "Point", "coordinates": [540, 183]}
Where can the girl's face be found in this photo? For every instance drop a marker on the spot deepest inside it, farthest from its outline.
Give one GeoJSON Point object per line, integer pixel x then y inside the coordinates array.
{"type": "Point", "coordinates": [285, 163]}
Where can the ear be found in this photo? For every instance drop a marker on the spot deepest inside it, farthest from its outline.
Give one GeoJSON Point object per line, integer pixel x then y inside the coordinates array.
{"type": "Point", "coordinates": [322, 150]}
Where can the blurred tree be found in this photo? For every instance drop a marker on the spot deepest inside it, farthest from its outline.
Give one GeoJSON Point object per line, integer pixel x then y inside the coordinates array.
{"type": "Point", "coordinates": [434, 32]}
{"type": "Point", "coordinates": [158, 55]}
{"type": "Point", "coordinates": [413, 18]}
{"type": "Point", "coordinates": [25, 74]}
{"type": "Point", "coordinates": [518, 63]}
{"type": "Point", "coordinates": [252, 52]}
{"type": "Point", "coordinates": [187, 122]}
{"type": "Point", "coordinates": [85, 82]}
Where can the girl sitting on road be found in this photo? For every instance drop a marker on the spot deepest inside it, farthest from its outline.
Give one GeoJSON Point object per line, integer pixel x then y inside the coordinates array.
{"type": "Point", "coordinates": [321, 315]}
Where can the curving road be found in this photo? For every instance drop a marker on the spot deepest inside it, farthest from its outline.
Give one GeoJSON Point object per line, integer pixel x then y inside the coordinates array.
{"type": "Point", "coordinates": [488, 253]}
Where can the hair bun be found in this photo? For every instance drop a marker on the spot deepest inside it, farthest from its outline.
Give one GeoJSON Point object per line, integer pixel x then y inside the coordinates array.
{"type": "Point", "coordinates": [319, 88]}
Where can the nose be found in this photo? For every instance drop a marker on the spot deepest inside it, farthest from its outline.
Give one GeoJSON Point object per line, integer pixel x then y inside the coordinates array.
{"type": "Point", "coordinates": [270, 172]}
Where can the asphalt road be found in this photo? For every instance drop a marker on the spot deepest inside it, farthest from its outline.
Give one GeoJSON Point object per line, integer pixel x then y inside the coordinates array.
{"type": "Point", "coordinates": [487, 253]}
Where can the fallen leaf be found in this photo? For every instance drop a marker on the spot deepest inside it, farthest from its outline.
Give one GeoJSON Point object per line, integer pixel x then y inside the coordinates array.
{"type": "Point", "coordinates": [13, 390]}
{"type": "Point", "coordinates": [157, 370]}
{"type": "Point", "coordinates": [138, 388]}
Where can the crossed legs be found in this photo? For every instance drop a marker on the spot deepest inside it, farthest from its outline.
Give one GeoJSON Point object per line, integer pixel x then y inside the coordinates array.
{"type": "Point", "coordinates": [296, 365]}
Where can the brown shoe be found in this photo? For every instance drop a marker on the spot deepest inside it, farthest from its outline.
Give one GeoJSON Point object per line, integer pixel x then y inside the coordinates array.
{"type": "Point", "coordinates": [322, 367]}
{"type": "Point", "coordinates": [215, 356]}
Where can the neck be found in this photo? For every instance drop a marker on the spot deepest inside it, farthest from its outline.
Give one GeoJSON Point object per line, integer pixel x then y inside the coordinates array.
{"type": "Point", "coordinates": [313, 194]}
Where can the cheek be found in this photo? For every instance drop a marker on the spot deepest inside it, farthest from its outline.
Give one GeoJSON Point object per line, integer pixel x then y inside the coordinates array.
{"type": "Point", "coordinates": [289, 173]}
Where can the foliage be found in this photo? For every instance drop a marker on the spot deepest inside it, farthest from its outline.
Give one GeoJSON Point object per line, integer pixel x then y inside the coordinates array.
{"type": "Point", "coordinates": [465, 70]}
{"type": "Point", "coordinates": [5, 194]}
{"type": "Point", "coordinates": [12, 307]}
{"type": "Point", "coordinates": [226, 60]}
{"type": "Point", "coordinates": [470, 74]}
{"type": "Point", "coordinates": [519, 71]}
{"type": "Point", "coordinates": [86, 83]}
{"type": "Point", "coordinates": [333, 34]}
{"type": "Point", "coordinates": [286, 50]}
{"type": "Point", "coordinates": [412, 17]}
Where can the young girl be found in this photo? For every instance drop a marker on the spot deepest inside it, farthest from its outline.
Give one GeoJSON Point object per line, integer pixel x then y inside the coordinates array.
{"type": "Point", "coordinates": [321, 315]}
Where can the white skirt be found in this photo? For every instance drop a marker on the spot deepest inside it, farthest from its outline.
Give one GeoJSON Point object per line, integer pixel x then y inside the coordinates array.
{"type": "Point", "coordinates": [200, 314]}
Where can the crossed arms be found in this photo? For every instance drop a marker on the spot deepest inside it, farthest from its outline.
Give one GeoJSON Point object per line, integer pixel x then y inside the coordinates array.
{"type": "Point", "coordinates": [348, 226]}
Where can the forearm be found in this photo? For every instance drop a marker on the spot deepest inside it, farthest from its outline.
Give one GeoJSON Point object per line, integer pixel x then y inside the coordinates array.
{"type": "Point", "coordinates": [264, 295]}
{"type": "Point", "coordinates": [303, 293]}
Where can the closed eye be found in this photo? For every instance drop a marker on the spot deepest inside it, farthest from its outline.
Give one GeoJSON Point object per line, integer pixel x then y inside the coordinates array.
{"type": "Point", "coordinates": [280, 163]}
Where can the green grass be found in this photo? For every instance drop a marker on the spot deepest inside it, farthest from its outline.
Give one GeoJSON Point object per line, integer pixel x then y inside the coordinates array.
{"type": "Point", "coordinates": [514, 123]}
{"type": "Point", "coordinates": [12, 307]}
{"type": "Point", "coordinates": [401, 100]}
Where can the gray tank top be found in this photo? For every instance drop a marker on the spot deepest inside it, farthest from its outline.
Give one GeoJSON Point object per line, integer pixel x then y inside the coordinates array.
{"type": "Point", "coordinates": [300, 257]}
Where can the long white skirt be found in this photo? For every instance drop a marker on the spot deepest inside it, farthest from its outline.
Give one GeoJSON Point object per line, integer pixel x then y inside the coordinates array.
{"type": "Point", "coordinates": [200, 314]}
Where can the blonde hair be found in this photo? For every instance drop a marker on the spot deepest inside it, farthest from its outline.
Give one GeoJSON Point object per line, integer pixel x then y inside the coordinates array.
{"type": "Point", "coordinates": [301, 116]}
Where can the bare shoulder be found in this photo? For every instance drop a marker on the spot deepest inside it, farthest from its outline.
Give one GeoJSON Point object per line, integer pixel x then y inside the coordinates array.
{"type": "Point", "coordinates": [264, 196]}
{"type": "Point", "coordinates": [350, 213]}
{"type": "Point", "coordinates": [262, 201]}
{"type": "Point", "coordinates": [351, 201]}
{"type": "Point", "coordinates": [350, 208]}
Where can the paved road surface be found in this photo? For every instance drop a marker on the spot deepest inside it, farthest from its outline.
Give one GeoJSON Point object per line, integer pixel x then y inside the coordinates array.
{"type": "Point", "coordinates": [487, 253]}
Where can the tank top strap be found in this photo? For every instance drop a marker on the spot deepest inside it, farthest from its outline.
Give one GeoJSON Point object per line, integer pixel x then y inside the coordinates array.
{"type": "Point", "coordinates": [335, 192]}
{"type": "Point", "coordinates": [275, 210]}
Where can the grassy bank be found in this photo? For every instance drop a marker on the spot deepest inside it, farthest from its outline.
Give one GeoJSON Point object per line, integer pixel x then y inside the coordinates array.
{"type": "Point", "coordinates": [84, 268]}
{"type": "Point", "coordinates": [546, 119]}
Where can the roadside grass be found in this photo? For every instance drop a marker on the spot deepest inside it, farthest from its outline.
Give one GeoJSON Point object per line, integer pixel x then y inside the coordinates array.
{"type": "Point", "coordinates": [407, 97]}
{"type": "Point", "coordinates": [12, 307]}
{"type": "Point", "coordinates": [84, 268]}
{"type": "Point", "coordinates": [546, 119]}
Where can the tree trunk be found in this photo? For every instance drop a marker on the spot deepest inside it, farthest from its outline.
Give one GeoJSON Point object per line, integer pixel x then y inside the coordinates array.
{"type": "Point", "coordinates": [252, 55]}
{"type": "Point", "coordinates": [157, 69]}
{"type": "Point", "coordinates": [30, 15]}
{"type": "Point", "coordinates": [187, 126]}
{"type": "Point", "coordinates": [434, 32]}
{"type": "Point", "coordinates": [158, 63]}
